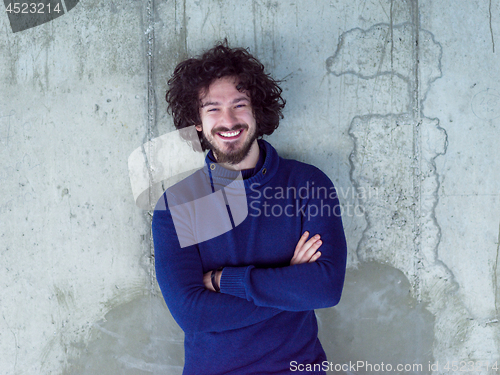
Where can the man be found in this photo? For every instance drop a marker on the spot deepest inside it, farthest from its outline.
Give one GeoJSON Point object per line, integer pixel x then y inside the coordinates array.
{"type": "Point", "coordinates": [246, 298]}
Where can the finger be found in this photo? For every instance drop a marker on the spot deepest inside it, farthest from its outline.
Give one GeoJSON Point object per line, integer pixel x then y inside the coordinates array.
{"type": "Point", "coordinates": [306, 255]}
{"type": "Point", "coordinates": [312, 250]}
{"type": "Point", "coordinates": [308, 250]}
{"type": "Point", "coordinates": [310, 243]}
{"type": "Point", "coordinates": [305, 250]}
{"type": "Point", "coordinates": [302, 240]}
{"type": "Point", "coordinates": [312, 240]}
{"type": "Point", "coordinates": [315, 257]}
{"type": "Point", "coordinates": [300, 244]}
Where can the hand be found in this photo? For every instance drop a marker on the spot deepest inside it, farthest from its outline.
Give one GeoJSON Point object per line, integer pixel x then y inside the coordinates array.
{"type": "Point", "coordinates": [305, 252]}
{"type": "Point", "coordinates": [207, 279]}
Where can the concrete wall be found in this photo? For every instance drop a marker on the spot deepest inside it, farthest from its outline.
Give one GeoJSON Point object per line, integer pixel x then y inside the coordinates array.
{"type": "Point", "coordinates": [398, 101]}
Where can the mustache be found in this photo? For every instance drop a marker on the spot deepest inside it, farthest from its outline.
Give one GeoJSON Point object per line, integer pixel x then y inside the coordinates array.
{"type": "Point", "coordinates": [225, 129]}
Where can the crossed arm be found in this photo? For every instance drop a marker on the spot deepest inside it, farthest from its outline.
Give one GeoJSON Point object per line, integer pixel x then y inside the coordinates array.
{"type": "Point", "coordinates": [306, 251]}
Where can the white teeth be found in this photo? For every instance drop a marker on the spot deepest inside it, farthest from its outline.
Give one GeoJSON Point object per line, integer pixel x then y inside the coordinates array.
{"type": "Point", "coordinates": [230, 134]}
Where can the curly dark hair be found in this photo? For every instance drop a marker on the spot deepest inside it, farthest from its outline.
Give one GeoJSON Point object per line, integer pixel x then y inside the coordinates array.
{"type": "Point", "coordinates": [194, 76]}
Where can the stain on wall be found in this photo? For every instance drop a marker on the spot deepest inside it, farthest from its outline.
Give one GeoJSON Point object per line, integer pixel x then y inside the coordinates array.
{"type": "Point", "coordinates": [378, 321]}
{"type": "Point", "coordinates": [137, 337]}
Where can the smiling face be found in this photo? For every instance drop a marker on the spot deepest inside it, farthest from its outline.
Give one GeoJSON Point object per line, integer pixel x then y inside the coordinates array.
{"type": "Point", "coordinates": [228, 124]}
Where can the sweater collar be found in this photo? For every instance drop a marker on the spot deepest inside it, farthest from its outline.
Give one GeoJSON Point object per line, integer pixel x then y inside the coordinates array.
{"type": "Point", "coordinates": [246, 173]}
{"type": "Point", "coordinates": [263, 172]}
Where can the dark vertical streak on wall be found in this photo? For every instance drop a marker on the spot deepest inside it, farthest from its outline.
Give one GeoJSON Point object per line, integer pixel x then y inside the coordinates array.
{"type": "Point", "coordinates": [392, 36]}
{"type": "Point", "coordinates": [416, 49]}
{"type": "Point", "coordinates": [496, 277]}
{"type": "Point", "coordinates": [491, 30]}
{"type": "Point", "coordinates": [391, 14]}
{"type": "Point", "coordinates": [184, 26]}
{"type": "Point", "coordinates": [151, 130]}
{"type": "Point", "coordinates": [181, 25]}
{"type": "Point", "coordinates": [417, 158]}
{"type": "Point", "coordinates": [254, 10]}
{"type": "Point", "coordinates": [273, 38]}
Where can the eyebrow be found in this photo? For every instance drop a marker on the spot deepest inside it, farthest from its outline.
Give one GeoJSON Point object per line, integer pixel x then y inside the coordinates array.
{"type": "Point", "coordinates": [237, 100]}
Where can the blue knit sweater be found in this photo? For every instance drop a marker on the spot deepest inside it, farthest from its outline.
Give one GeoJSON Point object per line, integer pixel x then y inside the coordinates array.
{"type": "Point", "coordinates": [262, 321]}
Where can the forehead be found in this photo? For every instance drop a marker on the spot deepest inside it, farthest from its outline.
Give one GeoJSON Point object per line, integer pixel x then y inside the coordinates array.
{"type": "Point", "coordinates": [222, 88]}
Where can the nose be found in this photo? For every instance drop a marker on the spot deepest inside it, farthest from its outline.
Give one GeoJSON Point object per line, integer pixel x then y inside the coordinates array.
{"type": "Point", "coordinates": [229, 118]}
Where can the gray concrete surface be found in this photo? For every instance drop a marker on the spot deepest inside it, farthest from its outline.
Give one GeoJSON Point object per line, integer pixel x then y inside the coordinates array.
{"type": "Point", "coordinates": [398, 101]}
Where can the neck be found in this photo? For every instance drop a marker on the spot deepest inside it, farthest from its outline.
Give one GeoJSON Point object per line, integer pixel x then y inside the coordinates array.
{"type": "Point", "coordinates": [249, 162]}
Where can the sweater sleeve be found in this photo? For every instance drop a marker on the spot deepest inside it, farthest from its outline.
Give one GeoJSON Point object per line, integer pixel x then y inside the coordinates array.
{"type": "Point", "coordinates": [304, 286]}
{"type": "Point", "coordinates": [179, 274]}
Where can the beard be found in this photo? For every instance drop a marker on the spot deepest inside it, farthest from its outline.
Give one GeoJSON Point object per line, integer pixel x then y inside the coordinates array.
{"type": "Point", "coordinates": [235, 152]}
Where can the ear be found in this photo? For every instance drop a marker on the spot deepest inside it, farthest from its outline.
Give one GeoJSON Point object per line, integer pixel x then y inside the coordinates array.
{"type": "Point", "coordinates": [199, 128]}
